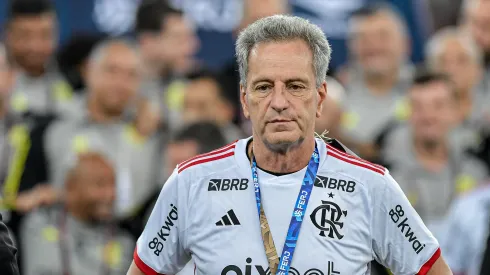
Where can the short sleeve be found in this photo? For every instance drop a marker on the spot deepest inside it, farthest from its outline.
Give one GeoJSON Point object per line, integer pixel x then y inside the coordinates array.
{"type": "Point", "coordinates": [160, 248]}
{"type": "Point", "coordinates": [401, 241]}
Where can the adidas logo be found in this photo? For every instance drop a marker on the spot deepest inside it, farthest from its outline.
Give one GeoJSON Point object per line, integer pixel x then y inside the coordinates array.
{"type": "Point", "coordinates": [228, 219]}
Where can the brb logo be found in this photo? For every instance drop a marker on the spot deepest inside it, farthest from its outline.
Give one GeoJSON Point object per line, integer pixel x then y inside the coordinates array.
{"type": "Point", "coordinates": [335, 184]}
{"type": "Point", "coordinates": [328, 218]}
{"type": "Point", "coordinates": [227, 184]}
{"type": "Point", "coordinates": [260, 270]}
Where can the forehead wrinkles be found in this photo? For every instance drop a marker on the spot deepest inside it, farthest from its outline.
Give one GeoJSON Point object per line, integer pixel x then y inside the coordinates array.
{"type": "Point", "coordinates": [288, 56]}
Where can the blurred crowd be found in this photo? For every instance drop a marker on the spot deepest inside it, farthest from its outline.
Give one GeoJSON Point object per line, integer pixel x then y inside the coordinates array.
{"type": "Point", "coordinates": [90, 131]}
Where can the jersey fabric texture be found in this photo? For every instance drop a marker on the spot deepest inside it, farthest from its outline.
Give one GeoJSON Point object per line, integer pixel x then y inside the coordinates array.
{"type": "Point", "coordinates": [356, 213]}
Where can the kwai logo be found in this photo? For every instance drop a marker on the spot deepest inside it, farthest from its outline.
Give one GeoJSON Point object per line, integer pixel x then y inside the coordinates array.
{"type": "Point", "coordinates": [157, 244]}
{"type": "Point", "coordinates": [396, 215]}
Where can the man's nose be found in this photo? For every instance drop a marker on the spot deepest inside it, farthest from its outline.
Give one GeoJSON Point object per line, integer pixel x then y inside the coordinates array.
{"type": "Point", "coordinates": [279, 101]}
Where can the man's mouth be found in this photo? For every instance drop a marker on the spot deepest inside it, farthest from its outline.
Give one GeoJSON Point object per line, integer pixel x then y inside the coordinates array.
{"type": "Point", "coordinates": [279, 121]}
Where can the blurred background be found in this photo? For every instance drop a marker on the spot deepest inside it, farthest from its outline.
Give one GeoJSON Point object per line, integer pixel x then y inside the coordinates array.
{"type": "Point", "coordinates": [101, 99]}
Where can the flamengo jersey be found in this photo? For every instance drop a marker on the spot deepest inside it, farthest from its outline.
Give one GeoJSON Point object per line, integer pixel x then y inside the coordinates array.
{"type": "Point", "coordinates": [356, 213]}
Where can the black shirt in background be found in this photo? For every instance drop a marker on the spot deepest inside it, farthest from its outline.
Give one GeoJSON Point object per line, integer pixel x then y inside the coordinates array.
{"type": "Point", "coordinates": [8, 252]}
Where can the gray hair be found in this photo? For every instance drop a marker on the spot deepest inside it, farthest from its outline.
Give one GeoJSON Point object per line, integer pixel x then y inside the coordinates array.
{"type": "Point", "coordinates": [437, 41]}
{"type": "Point", "coordinates": [279, 28]}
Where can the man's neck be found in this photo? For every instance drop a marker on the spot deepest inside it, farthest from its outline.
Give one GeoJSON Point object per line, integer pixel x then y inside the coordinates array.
{"type": "Point", "coordinates": [31, 72]}
{"type": "Point", "coordinates": [431, 154]}
{"type": "Point", "coordinates": [77, 214]}
{"type": "Point", "coordinates": [292, 160]}
{"type": "Point", "coordinates": [96, 114]}
{"type": "Point", "coordinates": [381, 84]}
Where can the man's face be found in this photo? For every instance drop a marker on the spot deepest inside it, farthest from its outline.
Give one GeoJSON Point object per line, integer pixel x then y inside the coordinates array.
{"type": "Point", "coordinates": [178, 42]}
{"type": "Point", "coordinates": [432, 110]}
{"type": "Point", "coordinates": [378, 44]}
{"type": "Point", "coordinates": [479, 21]}
{"type": "Point", "coordinates": [281, 98]}
{"type": "Point", "coordinates": [202, 101]}
{"type": "Point", "coordinates": [180, 151]}
{"type": "Point", "coordinates": [95, 189]}
{"type": "Point", "coordinates": [31, 40]}
{"type": "Point", "coordinates": [115, 78]}
{"type": "Point", "coordinates": [456, 61]}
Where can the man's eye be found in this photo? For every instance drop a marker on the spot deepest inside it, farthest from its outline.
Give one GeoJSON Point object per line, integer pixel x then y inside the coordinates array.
{"type": "Point", "coordinates": [295, 87]}
{"type": "Point", "coordinates": [262, 88]}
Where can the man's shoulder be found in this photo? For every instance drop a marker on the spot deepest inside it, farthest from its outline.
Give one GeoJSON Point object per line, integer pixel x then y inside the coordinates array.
{"type": "Point", "coordinates": [341, 160]}
{"type": "Point", "coordinates": [203, 165]}
{"type": "Point", "coordinates": [341, 163]}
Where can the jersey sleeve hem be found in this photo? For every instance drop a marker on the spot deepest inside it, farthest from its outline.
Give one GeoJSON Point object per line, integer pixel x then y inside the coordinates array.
{"type": "Point", "coordinates": [142, 265]}
{"type": "Point", "coordinates": [428, 265]}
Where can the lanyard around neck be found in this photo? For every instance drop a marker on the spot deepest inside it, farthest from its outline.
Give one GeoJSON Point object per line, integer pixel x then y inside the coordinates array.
{"type": "Point", "coordinates": [296, 220]}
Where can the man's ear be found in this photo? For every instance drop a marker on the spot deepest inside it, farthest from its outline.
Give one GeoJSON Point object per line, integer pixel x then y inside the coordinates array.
{"type": "Point", "coordinates": [243, 100]}
{"type": "Point", "coordinates": [322, 95]}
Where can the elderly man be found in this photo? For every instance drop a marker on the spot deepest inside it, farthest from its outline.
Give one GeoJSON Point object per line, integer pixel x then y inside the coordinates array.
{"type": "Point", "coordinates": [233, 209]}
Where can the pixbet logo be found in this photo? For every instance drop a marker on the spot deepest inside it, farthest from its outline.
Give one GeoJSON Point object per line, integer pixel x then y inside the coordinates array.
{"type": "Point", "coordinates": [260, 270]}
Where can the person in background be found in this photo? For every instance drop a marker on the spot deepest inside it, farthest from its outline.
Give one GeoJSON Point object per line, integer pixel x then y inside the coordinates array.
{"type": "Point", "coordinates": [422, 156]}
{"type": "Point", "coordinates": [31, 39]}
{"type": "Point", "coordinates": [450, 52]}
{"type": "Point", "coordinates": [168, 44]}
{"type": "Point", "coordinates": [112, 83]}
{"type": "Point", "coordinates": [332, 110]}
{"type": "Point", "coordinates": [72, 59]}
{"type": "Point", "coordinates": [378, 76]}
{"type": "Point", "coordinates": [13, 133]}
{"type": "Point", "coordinates": [192, 140]}
{"type": "Point", "coordinates": [206, 99]}
{"type": "Point", "coordinates": [477, 19]}
{"type": "Point", "coordinates": [466, 246]}
{"type": "Point", "coordinates": [78, 236]}
{"type": "Point", "coordinates": [8, 252]}
{"type": "Point", "coordinates": [476, 16]}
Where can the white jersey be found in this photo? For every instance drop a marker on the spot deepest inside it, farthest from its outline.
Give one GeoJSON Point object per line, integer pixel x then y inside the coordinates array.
{"type": "Point", "coordinates": [356, 213]}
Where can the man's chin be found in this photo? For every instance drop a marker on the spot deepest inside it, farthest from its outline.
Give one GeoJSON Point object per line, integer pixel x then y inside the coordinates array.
{"type": "Point", "coordinates": [281, 141]}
